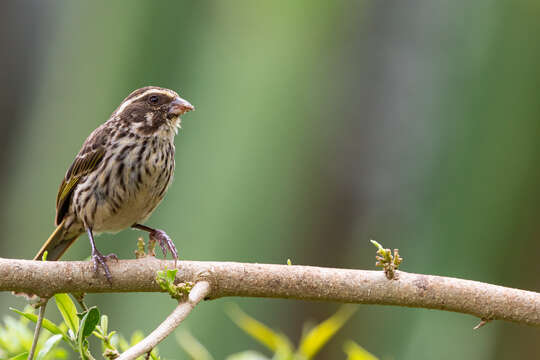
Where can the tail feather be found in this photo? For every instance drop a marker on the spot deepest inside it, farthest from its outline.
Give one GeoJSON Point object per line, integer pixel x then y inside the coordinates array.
{"type": "Point", "coordinates": [57, 244]}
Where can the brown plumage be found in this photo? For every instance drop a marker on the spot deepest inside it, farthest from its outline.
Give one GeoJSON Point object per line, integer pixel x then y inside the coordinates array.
{"type": "Point", "coordinates": [121, 174]}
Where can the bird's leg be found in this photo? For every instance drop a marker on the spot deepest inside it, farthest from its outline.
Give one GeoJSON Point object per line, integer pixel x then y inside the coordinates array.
{"type": "Point", "coordinates": [161, 237]}
{"type": "Point", "coordinates": [98, 258]}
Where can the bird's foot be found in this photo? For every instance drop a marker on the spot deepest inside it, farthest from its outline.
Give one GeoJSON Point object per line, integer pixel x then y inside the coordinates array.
{"type": "Point", "coordinates": [100, 260]}
{"type": "Point", "coordinates": [165, 242]}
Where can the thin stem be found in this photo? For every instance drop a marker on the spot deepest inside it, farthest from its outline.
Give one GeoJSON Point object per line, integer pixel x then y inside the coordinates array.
{"type": "Point", "coordinates": [37, 330]}
{"type": "Point", "coordinates": [198, 293]}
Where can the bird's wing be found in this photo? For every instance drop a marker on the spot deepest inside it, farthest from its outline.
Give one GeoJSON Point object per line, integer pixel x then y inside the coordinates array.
{"type": "Point", "coordinates": [86, 161]}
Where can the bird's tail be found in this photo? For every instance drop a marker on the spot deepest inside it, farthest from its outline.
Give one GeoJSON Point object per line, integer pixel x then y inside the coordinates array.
{"type": "Point", "coordinates": [59, 241]}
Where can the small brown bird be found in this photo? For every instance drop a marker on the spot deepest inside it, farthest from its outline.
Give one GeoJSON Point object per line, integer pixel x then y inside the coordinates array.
{"type": "Point", "coordinates": [120, 175]}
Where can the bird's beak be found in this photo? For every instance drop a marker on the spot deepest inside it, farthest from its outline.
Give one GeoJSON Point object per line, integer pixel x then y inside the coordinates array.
{"type": "Point", "coordinates": [179, 106]}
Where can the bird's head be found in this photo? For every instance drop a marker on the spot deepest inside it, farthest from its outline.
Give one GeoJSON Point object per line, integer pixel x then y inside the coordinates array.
{"type": "Point", "coordinates": [151, 110]}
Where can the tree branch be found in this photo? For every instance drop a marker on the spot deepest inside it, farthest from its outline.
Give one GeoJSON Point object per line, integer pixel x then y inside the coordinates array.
{"type": "Point", "coordinates": [485, 301]}
{"type": "Point", "coordinates": [198, 293]}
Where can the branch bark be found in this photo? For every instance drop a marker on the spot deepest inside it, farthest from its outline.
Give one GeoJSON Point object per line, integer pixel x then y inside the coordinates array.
{"type": "Point", "coordinates": [485, 301]}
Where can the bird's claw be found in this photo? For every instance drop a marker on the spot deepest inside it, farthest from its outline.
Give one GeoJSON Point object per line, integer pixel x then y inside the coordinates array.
{"type": "Point", "coordinates": [99, 260]}
{"type": "Point", "coordinates": [165, 243]}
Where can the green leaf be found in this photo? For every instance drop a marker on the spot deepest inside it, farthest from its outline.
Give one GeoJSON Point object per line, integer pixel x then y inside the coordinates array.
{"type": "Point", "coordinates": [15, 335]}
{"type": "Point", "coordinates": [104, 324]}
{"type": "Point", "coordinates": [317, 337]}
{"type": "Point", "coordinates": [89, 321]}
{"type": "Point", "coordinates": [47, 324]}
{"type": "Point", "coordinates": [247, 355]}
{"type": "Point", "coordinates": [171, 275]}
{"type": "Point", "coordinates": [98, 335]}
{"type": "Point", "coordinates": [356, 352]}
{"type": "Point", "coordinates": [22, 356]}
{"type": "Point", "coordinates": [120, 342]}
{"type": "Point", "coordinates": [377, 245]}
{"type": "Point", "coordinates": [192, 346]}
{"type": "Point", "coordinates": [137, 337]}
{"type": "Point", "coordinates": [273, 340]}
{"type": "Point", "coordinates": [48, 346]}
{"type": "Point", "coordinates": [68, 310]}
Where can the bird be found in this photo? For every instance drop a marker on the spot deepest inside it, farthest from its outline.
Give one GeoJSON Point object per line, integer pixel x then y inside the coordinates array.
{"type": "Point", "coordinates": [120, 175]}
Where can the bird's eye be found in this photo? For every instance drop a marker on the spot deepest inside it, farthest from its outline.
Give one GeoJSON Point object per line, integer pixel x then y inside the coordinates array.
{"type": "Point", "coordinates": [154, 99]}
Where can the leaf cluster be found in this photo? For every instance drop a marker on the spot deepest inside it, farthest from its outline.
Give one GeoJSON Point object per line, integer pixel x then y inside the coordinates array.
{"type": "Point", "coordinates": [166, 279]}
{"type": "Point", "coordinates": [78, 327]}
{"type": "Point", "coordinates": [74, 331]}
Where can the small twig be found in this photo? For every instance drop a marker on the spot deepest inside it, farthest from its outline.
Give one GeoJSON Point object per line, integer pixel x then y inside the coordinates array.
{"type": "Point", "coordinates": [37, 329]}
{"type": "Point", "coordinates": [80, 299]}
{"type": "Point", "coordinates": [481, 323]}
{"type": "Point", "coordinates": [198, 293]}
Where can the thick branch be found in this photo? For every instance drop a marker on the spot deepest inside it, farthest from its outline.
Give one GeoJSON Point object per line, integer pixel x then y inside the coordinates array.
{"type": "Point", "coordinates": [198, 293]}
{"type": "Point", "coordinates": [489, 302]}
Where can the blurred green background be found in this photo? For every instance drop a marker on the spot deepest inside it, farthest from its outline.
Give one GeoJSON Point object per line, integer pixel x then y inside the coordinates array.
{"type": "Point", "coordinates": [319, 125]}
